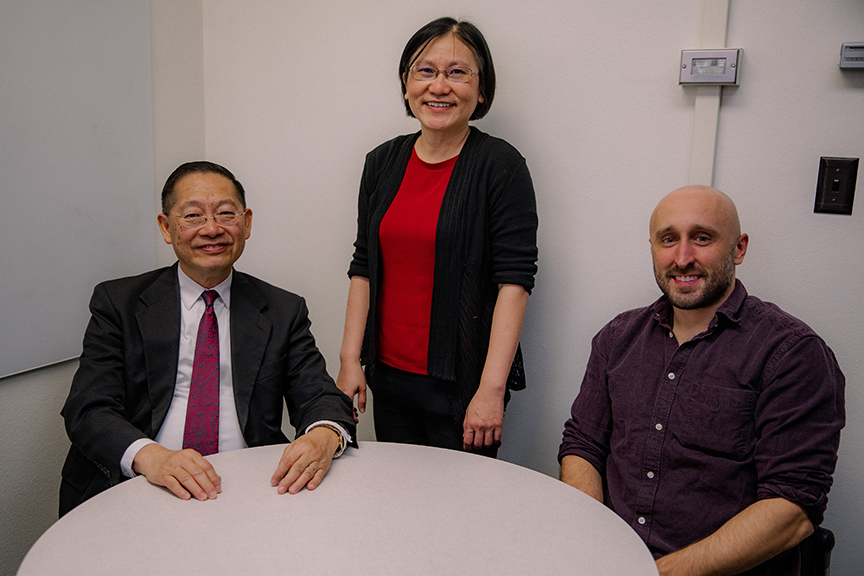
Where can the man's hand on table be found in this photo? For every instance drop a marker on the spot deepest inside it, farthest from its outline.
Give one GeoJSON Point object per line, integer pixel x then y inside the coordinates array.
{"type": "Point", "coordinates": [188, 474]}
{"type": "Point", "coordinates": [306, 460]}
{"type": "Point", "coordinates": [185, 472]}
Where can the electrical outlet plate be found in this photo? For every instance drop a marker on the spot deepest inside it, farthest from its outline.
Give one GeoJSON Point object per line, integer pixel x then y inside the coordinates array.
{"type": "Point", "coordinates": [835, 188]}
{"type": "Point", "coordinates": [852, 56]}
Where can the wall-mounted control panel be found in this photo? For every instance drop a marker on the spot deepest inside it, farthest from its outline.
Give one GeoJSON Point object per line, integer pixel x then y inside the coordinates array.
{"type": "Point", "coordinates": [710, 67]}
{"type": "Point", "coordinates": [852, 56]}
{"type": "Point", "coordinates": [835, 188]}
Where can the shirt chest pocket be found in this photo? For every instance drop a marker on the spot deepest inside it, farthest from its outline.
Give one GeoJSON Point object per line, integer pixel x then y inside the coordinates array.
{"type": "Point", "coordinates": [719, 421]}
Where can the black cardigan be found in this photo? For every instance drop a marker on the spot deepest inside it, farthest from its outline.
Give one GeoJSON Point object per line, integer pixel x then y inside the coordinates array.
{"type": "Point", "coordinates": [486, 236]}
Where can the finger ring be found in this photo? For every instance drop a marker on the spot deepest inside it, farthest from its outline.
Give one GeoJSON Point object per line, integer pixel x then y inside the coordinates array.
{"type": "Point", "coordinates": [313, 469]}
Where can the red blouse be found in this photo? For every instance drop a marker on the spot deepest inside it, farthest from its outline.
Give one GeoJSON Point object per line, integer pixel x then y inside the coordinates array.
{"type": "Point", "coordinates": [407, 241]}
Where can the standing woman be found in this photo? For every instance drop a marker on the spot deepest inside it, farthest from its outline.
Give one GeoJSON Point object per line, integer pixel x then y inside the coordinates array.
{"type": "Point", "coordinates": [444, 259]}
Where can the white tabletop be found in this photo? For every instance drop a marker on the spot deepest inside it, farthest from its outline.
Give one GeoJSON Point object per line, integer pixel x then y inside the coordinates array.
{"type": "Point", "coordinates": [382, 509]}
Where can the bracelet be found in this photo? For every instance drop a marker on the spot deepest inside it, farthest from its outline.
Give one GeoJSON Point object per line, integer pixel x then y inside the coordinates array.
{"type": "Point", "coordinates": [338, 433]}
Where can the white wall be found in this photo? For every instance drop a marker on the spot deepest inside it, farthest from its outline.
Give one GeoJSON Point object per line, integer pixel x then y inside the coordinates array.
{"type": "Point", "coordinates": [33, 446]}
{"type": "Point", "coordinates": [588, 93]}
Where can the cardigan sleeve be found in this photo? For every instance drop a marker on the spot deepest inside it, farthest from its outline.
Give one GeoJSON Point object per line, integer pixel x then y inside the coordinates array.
{"type": "Point", "coordinates": [512, 219]}
{"type": "Point", "coordinates": [360, 261]}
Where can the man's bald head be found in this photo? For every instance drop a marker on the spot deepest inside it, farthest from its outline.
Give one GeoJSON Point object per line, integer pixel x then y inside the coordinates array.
{"type": "Point", "coordinates": [715, 207]}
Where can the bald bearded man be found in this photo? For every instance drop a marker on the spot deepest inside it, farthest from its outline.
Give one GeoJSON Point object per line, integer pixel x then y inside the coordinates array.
{"type": "Point", "coordinates": [710, 420]}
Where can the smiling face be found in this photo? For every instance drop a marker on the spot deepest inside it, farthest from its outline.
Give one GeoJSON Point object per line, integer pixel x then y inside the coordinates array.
{"type": "Point", "coordinates": [206, 254]}
{"type": "Point", "coordinates": [441, 106]}
{"type": "Point", "coordinates": [696, 242]}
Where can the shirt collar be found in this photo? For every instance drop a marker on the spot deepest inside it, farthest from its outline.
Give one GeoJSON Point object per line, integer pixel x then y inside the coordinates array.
{"type": "Point", "coordinates": [730, 309]}
{"type": "Point", "coordinates": [190, 291]}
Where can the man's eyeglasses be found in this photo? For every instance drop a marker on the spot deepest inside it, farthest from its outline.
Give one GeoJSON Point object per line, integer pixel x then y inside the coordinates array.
{"type": "Point", "coordinates": [453, 74]}
{"type": "Point", "coordinates": [193, 221]}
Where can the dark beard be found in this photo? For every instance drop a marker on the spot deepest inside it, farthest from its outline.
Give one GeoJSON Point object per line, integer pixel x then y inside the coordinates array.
{"type": "Point", "coordinates": [717, 283]}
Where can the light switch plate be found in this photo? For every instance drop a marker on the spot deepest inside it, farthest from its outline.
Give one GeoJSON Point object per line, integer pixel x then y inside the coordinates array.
{"type": "Point", "coordinates": [835, 188]}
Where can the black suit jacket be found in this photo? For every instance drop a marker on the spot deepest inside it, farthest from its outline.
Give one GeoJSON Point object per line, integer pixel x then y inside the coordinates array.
{"type": "Point", "coordinates": [127, 371]}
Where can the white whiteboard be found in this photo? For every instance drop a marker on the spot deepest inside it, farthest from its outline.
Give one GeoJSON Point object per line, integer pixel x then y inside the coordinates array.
{"type": "Point", "coordinates": [76, 167]}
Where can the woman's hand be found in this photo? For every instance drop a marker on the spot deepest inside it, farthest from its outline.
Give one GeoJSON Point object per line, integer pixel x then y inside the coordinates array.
{"type": "Point", "coordinates": [485, 413]}
{"type": "Point", "coordinates": [483, 419]}
{"type": "Point", "coordinates": [352, 381]}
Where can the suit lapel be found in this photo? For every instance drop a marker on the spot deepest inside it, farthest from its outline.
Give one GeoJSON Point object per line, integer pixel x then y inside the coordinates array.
{"type": "Point", "coordinates": [250, 333]}
{"type": "Point", "coordinates": [159, 323]}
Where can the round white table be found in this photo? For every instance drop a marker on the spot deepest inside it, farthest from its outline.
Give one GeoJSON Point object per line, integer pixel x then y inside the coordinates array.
{"type": "Point", "coordinates": [382, 509]}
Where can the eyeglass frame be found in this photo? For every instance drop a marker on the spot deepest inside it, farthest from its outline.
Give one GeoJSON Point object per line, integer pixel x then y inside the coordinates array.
{"type": "Point", "coordinates": [185, 224]}
{"type": "Point", "coordinates": [446, 72]}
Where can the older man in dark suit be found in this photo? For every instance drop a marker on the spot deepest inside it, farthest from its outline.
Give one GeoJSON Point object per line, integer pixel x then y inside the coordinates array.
{"type": "Point", "coordinates": [197, 358]}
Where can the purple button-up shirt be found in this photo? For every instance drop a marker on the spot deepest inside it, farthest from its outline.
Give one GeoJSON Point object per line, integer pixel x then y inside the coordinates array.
{"type": "Point", "coordinates": [685, 437]}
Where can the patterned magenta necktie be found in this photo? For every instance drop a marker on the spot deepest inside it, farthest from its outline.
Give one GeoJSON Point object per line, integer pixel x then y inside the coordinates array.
{"type": "Point", "coordinates": [202, 412]}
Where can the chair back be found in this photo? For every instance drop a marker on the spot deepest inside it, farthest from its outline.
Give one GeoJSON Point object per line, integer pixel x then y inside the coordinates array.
{"type": "Point", "coordinates": [816, 553]}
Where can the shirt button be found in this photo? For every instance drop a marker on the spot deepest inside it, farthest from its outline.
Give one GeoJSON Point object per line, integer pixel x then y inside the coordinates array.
{"type": "Point", "coordinates": [641, 520]}
{"type": "Point", "coordinates": [671, 376]}
{"type": "Point", "coordinates": [658, 426]}
{"type": "Point", "coordinates": [650, 475]}
{"type": "Point", "coordinates": [671, 335]}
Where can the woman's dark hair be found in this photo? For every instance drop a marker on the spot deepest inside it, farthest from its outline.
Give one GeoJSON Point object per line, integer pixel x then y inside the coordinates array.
{"type": "Point", "coordinates": [199, 167]}
{"type": "Point", "coordinates": [471, 36]}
